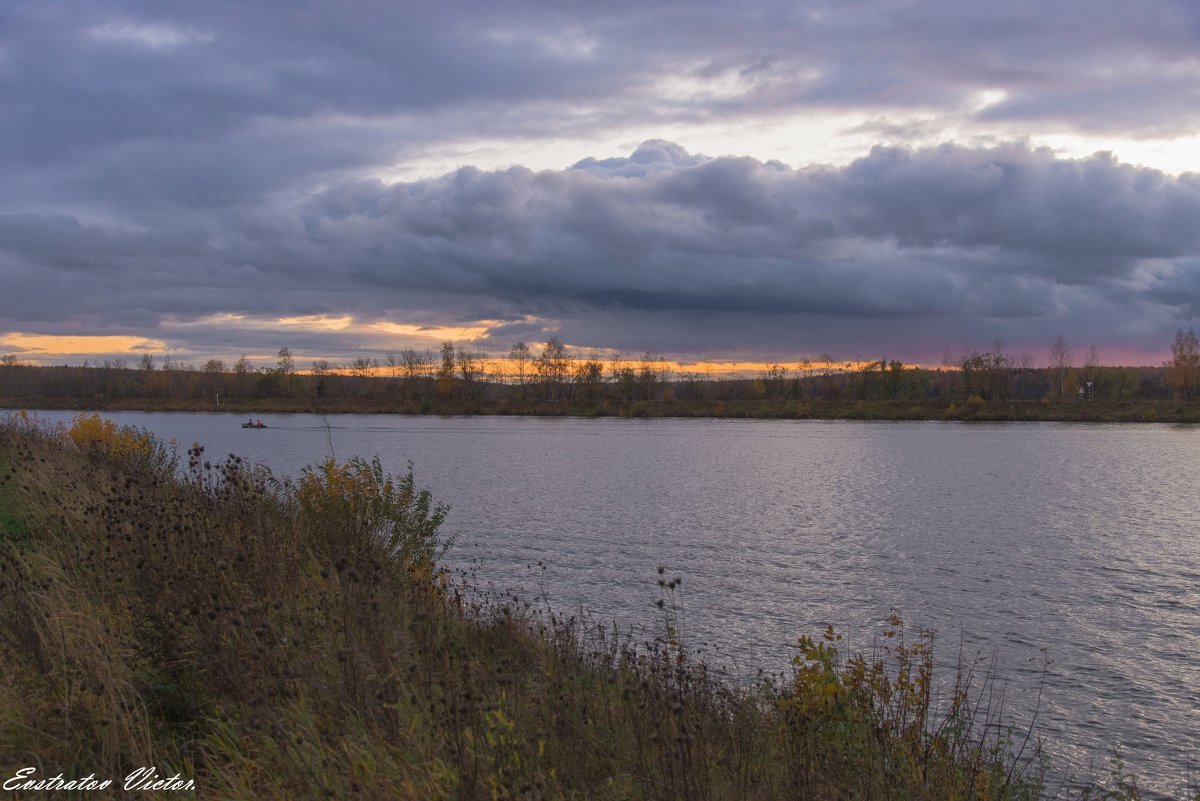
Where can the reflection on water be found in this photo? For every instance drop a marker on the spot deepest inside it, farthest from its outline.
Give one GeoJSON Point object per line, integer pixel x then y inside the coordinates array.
{"type": "Point", "coordinates": [1068, 550]}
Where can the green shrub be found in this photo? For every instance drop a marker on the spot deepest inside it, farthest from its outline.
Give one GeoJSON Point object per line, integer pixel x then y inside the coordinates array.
{"type": "Point", "coordinates": [372, 513]}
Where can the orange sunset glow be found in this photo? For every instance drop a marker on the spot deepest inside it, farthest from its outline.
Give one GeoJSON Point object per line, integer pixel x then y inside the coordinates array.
{"type": "Point", "coordinates": [48, 347]}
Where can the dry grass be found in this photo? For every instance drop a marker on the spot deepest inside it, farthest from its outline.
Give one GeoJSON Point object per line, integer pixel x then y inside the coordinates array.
{"type": "Point", "coordinates": [286, 641]}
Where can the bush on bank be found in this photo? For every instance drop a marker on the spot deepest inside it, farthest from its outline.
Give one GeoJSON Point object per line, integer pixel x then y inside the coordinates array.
{"type": "Point", "coordinates": [272, 639]}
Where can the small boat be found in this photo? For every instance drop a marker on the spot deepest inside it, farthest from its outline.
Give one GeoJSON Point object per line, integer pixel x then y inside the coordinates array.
{"type": "Point", "coordinates": [259, 424]}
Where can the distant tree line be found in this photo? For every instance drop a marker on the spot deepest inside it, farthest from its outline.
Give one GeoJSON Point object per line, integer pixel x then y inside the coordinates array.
{"type": "Point", "coordinates": [551, 373]}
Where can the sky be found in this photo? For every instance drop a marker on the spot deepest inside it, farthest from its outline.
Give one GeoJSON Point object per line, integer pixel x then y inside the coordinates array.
{"type": "Point", "coordinates": [749, 181]}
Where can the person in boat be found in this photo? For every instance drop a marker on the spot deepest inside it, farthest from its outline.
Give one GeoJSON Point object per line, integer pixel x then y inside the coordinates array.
{"type": "Point", "coordinates": [260, 422]}
{"type": "Point", "coordinates": [250, 422]}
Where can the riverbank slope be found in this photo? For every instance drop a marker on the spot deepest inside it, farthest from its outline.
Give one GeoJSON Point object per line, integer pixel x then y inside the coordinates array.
{"type": "Point", "coordinates": [297, 641]}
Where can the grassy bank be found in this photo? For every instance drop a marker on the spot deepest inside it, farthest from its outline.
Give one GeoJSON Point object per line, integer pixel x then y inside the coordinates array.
{"type": "Point", "coordinates": [1100, 411]}
{"type": "Point", "coordinates": [295, 640]}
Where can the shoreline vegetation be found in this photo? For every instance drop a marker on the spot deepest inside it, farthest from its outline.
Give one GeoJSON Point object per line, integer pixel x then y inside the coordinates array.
{"type": "Point", "coordinates": [1130, 411]}
{"type": "Point", "coordinates": [993, 385]}
{"type": "Point", "coordinates": [296, 639]}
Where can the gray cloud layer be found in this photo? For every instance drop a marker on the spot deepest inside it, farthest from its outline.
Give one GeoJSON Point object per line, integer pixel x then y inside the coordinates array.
{"type": "Point", "coordinates": [902, 243]}
{"type": "Point", "coordinates": [161, 169]}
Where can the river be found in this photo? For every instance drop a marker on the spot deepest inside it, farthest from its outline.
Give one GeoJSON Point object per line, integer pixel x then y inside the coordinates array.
{"type": "Point", "coordinates": [1066, 555]}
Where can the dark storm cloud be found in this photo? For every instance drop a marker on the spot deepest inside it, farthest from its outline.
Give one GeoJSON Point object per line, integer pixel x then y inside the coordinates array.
{"type": "Point", "coordinates": [166, 164]}
{"type": "Point", "coordinates": [948, 231]}
{"type": "Point", "coordinates": [944, 240]}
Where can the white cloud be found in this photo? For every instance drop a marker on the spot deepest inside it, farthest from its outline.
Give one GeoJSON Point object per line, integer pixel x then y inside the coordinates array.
{"type": "Point", "coordinates": [150, 35]}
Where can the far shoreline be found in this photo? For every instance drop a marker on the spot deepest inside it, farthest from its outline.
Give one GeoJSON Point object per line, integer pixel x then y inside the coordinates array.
{"type": "Point", "coordinates": [1099, 411]}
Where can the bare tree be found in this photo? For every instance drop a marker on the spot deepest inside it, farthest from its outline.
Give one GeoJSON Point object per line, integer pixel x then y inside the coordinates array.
{"type": "Point", "coordinates": [805, 368]}
{"type": "Point", "coordinates": [416, 364]}
{"type": "Point", "coordinates": [774, 380]}
{"type": "Point", "coordinates": [648, 376]}
{"type": "Point", "coordinates": [1091, 369]}
{"type": "Point", "coordinates": [552, 366]}
{"type": "Point", "coordinates": [947, 363]}
{"type": "Point", "coordinates": [285, 368]}
{"type": "Point", "coordinates": [998, 354]}
{"type": "Point", "coordinates": [1091, 363]}
{"type": "Point", "coordinates": [621, 374]}
{"type": "Point", "coordinates": [8, 364]}
{"type": "Point", "coordinates": [1024, 364]}
{"type": "Point", "coordinates": [285, 364]}
{"type": "Point", "coordinates": [445, 373]}
{"type": "Point", "coordinates": [1183, 370]}
{"type": "Point", "coordinates": [1000, 372]}
{"type": "Point", "coordinates": [416, 367]}
{"type": "Point", "coordinates": [363, 366]}
{"type": "Point", "coordinates": [1060, 360]}
{"type": "Point", "coordinates": [520, 356]}
{"type": "Point", "coordinates": [242, 370]}
{"type": "Point", "coordinates": [471, 370]}
{"type": "Point", "coordinates": [589, 376]}
{"type": "Point", "coordinates": [985, 374]}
